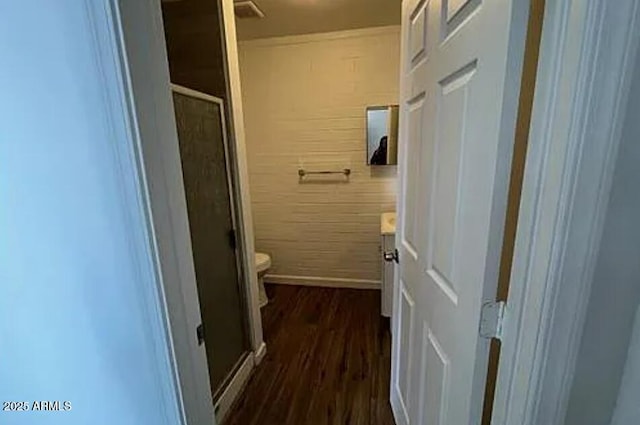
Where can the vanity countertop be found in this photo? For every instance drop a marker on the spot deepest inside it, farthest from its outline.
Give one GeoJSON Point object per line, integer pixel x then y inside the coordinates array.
{"type": "Point", "coordinates": [388, 223]}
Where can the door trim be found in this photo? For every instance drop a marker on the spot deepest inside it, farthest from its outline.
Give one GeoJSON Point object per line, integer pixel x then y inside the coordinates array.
{"type": "Point", "coordinates": [397, 405]}
{"type": "Point", "coordinates": [138, 38]}
{"type": "Point", "coordinates": [104, 23]}
{"type": "Point", "coordinates": [228, 159]}
{"type": "Point", "coordinates": [586, 53]}
{"type": "Point", "coordinates": [241, 173]}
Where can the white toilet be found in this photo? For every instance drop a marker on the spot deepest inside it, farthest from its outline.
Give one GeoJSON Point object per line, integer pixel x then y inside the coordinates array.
{"type": "Point", "coordinates": [263, 262]}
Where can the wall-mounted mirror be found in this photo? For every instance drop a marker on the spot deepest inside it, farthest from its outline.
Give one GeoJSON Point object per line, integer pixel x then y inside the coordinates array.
{"type": "Point", "coordinates": [382, 135]}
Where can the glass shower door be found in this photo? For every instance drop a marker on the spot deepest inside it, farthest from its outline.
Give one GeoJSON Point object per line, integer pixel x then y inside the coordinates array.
{"type": "Point", "coordinates": [205, 169]}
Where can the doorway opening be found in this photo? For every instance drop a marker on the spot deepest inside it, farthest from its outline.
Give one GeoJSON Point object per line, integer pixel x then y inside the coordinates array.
{"type": "Point", "coordinates": [323, 117]}
{"type": "Point", "coordinates": [319, 98]}
{"type": "Point", "coordinates": [194, 41]}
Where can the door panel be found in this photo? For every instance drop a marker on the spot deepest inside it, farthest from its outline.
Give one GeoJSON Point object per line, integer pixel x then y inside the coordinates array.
{"type": "Point", "coordinates": [453, 7]}
{"type": "Point", "coordinates": [456, 135]}
{"type": "Point", "coordinates": [418, 36]}
{"type": "Point", "coordinates": [457, 12]}
{"type": "Point", "coordinates": [446, 170]}
{"type": "Point", "coordinates": [410, 236]}
{"type": "Point", "coordinates": [405, 347]}
{"type": "Point", "coordinates": [434, 392]}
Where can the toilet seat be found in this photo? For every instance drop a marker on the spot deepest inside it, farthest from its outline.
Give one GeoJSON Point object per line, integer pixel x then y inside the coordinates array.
{"type": "Point", "coordinates": [263, 262]}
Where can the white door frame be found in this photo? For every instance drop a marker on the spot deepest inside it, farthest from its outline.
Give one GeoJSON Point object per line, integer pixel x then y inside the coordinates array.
{"type": "Point", "coordinates": [137, 39]}
{"type": "Point", "coordinates": [573, 143]}
{"type": "Point", "coordinates": [587, 51]}
{"type": "Point", "coordinates": [242, 195]}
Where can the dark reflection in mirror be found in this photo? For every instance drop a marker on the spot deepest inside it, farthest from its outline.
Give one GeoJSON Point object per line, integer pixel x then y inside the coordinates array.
{"type": "Point", "coordinates": [382, 135]}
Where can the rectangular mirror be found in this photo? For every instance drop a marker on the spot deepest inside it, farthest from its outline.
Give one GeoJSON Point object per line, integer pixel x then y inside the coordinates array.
{"type": "Point", "coordinates": [382, 135]}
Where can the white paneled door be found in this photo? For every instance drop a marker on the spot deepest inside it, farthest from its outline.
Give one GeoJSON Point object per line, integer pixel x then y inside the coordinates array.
{"type": "Point", "coordinates": [461, 64]}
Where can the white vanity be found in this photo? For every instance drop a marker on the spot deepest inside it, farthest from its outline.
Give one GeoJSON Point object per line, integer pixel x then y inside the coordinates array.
{"type": "Point", "coordinates": [387, 244]}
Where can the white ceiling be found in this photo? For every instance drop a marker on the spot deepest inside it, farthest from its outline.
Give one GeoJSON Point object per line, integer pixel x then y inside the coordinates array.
{"type": "Point", "coordinates": [289, 17]}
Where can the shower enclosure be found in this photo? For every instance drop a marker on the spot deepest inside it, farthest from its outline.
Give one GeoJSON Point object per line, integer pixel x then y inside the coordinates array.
{"type": "Point", "coordinates": [207, 178]}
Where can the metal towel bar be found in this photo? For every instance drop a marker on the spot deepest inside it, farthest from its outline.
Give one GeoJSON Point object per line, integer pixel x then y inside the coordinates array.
{"type": "Point", "coordinates": [302, 172]}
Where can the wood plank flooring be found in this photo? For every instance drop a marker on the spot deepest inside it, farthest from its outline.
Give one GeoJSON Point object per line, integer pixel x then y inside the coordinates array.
{"type": "Point", "coordinates": [327, 363]}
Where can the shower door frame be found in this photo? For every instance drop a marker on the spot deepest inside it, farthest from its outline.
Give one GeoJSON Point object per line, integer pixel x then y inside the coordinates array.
{"type": "Point", "coordinates": [238, 249]}
{"type": "Point", "coordinates": [234, 116]}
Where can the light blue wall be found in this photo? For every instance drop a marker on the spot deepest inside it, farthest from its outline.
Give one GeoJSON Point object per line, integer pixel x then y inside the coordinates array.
{"type": "Point", "coordinates": [74, 325]}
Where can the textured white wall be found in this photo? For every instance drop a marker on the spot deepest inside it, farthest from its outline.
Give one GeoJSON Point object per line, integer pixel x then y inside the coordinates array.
{"type": "Point", "coordinates": [305, 100]}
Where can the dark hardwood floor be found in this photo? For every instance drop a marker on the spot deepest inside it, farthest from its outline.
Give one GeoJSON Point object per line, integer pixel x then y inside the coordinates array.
{"type": "Point", "coordinates": [328, 361]}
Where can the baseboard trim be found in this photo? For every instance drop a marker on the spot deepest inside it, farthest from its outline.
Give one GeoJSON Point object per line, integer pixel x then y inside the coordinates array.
{"type": "Point", "coordinates": [233, 390]}
{"type": "Point", "coordinates": [260, 353]}
{"type": "Point", "coordinates": [329, 282]}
